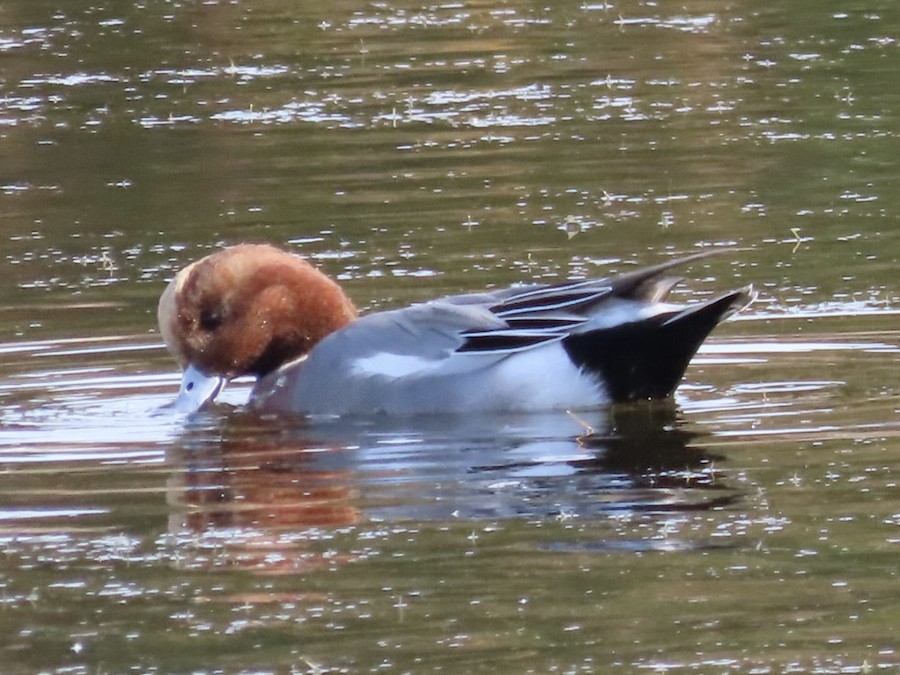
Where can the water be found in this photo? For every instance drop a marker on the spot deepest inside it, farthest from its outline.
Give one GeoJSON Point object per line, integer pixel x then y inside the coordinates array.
{"type": "Point", "coordinates": [750, 525]}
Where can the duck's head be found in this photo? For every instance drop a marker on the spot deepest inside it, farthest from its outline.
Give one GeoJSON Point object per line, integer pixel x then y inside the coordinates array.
{"type": "Point", "coordinates": [245, 310]}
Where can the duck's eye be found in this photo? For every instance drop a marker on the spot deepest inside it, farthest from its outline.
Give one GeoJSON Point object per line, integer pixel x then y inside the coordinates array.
{"type": "Point", "coordinates": [210, 319]}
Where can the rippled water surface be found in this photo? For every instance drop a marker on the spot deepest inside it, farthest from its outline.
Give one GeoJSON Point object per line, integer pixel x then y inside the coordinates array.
{"type": "Point", "coordinates": [750, 525]}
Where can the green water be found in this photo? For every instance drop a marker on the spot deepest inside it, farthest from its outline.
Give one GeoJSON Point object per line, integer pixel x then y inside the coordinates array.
{"type": "Point", "coordinates": [751, 525]}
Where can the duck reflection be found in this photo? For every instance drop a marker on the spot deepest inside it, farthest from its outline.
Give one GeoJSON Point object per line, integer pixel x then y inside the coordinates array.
{"type": "Point", "coordinates": [236, 472]}
{"type": "Point", "coordinates": [249, 495]}
{"type": "Point", "coordinates": [241, 476]}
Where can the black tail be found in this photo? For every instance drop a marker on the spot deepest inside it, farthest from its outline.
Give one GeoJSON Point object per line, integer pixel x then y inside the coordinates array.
{"type": "Point", "coordinates": [647, 358]}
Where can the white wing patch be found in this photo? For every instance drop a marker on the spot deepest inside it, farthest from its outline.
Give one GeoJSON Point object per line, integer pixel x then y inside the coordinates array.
{"type": "Point", "coordinates": [390, 365]}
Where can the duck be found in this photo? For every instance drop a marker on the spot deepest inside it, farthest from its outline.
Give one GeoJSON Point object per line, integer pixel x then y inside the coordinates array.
{"type": "Point", "coordinates": [258, 310]}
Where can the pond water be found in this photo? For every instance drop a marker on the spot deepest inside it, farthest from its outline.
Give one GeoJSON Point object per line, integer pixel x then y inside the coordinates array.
{"type": "Point", "coordinates": [749, 525]}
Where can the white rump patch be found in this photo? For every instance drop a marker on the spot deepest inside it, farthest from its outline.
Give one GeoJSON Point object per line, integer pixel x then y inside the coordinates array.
{"type": "Point", "coordinates": [546, 379]}
{"type": "Point", "coordinates": [618, 312]}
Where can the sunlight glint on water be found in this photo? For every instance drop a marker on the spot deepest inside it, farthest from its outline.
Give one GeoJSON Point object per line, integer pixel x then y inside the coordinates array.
{"type": "Point", "coordinates": [413, 151]}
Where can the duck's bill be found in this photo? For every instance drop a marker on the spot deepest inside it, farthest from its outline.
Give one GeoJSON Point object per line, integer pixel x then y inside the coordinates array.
{"type": "Point", "coordinates": [197, 389]}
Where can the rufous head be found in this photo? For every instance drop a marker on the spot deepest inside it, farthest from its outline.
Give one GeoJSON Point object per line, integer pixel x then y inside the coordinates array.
{"type": "Point", "coordinates": [248, 309]}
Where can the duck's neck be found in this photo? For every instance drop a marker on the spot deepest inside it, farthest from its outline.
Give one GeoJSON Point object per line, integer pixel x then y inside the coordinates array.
{"type": "Point", "coordinates": [304, 307]}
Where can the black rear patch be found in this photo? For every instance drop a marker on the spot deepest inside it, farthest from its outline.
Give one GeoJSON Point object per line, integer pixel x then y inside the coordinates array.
{"type": "Point", "coordinates": [647, 359]}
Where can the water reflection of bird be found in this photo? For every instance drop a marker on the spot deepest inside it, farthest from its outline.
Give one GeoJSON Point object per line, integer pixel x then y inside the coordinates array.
{"type": "Point", "coordinates": [254, 309]}
{"type": "Point", "coordinates": [268, 485]}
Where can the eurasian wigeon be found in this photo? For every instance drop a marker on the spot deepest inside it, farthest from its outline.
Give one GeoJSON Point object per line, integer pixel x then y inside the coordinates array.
{"type": "Point", "coordinates": [257, 310]}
